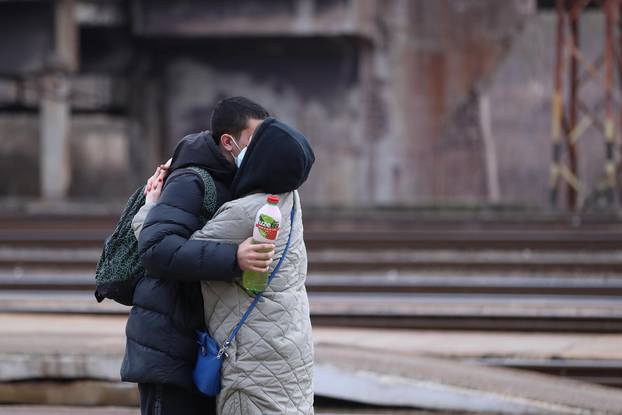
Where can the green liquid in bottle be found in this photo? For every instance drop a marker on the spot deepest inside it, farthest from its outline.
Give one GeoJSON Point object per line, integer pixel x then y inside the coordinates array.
{"type": "Point", "coordinates": [255, 282]}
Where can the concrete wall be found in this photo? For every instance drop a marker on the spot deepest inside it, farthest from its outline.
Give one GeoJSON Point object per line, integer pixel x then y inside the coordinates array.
{"type": "Point", "coordinates": [435, 65]}
{"type": "Point", "coordinates": [26, 42]}
{"type": "Point", "coordinates": [318, 91]}
{"type": "Point", "coordinates": [393, 116]}
{"type": "Point", "coordinates": [100, 157]}
{"type": "Point", "coordinates": [19, 149]}
{"type": "Point", "coordinates": [394, 95]}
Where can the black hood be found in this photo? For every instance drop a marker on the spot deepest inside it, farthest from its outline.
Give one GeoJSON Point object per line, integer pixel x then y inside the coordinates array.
{"type": "Point", "coordinates": [200, 150]}
{"type": "Point", "coordinates": [278, 160]}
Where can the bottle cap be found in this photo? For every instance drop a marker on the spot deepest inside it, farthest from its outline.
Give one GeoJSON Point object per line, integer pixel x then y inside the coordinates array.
{"type": "Point", "coordinates": [272, 199]}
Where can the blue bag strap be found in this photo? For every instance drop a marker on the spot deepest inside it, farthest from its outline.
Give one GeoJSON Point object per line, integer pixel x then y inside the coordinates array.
{"type": "Point", "coordinates": [250, 308]}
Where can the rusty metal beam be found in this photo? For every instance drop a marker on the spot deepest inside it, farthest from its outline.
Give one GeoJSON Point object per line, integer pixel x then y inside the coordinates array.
{"type": "Point", "coordinates": [578, 6]}
{"type": "Point", "coordinates": [593, 114]}
{"type": "Point", "coordinates": [587, 75]}
{"type": "Point", "coordinates": [557, 113]}
{"type": "Point", "coordinates": [572, 106]}
{"type": "Point", "coordinates": [605, 116]}
{"type": "Point", "coordinates": [611, 13]}
{"type": "Point", "coordinates": [619, 55]}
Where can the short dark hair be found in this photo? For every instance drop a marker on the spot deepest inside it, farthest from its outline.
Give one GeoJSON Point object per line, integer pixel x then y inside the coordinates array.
{"type": "Point", "coordinates": [231, 115]}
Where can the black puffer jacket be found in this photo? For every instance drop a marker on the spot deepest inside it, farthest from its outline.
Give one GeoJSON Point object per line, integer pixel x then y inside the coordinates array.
{"type": "Point", "coordinates": [161, 341]}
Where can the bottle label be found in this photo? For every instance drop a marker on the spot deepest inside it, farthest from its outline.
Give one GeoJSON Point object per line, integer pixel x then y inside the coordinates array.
{"type": "Point", "coordinates": [267, 227]}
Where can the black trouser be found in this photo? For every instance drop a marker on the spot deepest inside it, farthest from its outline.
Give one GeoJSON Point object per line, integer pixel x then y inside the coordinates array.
{"type": "Point", "coordinates": [158, 399]}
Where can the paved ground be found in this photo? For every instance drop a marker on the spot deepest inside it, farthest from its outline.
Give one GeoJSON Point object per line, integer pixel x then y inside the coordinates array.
{"type": "Point", "coordinates": [404, 367]}
{"type": "Point", "coordinates": [467, 344]}
{"type": "Point", "coordinates": [392, 378]}
{"type": "Point", "coordinates": [63, 410]}
{"type": "Point", "coordinates": [104, 335]}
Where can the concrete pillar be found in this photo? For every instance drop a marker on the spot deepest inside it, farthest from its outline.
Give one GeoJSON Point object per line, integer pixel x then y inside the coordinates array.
{"type": "Point", "coordinates": [55, 111]}
{"type": "Point", "coordinates": [54, 126]}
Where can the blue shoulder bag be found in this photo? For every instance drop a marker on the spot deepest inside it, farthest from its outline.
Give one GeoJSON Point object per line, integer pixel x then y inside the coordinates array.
{"type": "Point", "coordinates": [206, 374]}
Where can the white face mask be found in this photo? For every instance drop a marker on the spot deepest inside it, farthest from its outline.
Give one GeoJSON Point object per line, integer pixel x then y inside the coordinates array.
{"type": "Point", "coordinates": [240, 156]}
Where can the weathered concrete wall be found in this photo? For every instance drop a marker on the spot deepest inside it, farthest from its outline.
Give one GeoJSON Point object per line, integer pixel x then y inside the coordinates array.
{"type": "Point", "coordinates": [394, 119]}
{"type": "Point", "coordinates": [19, 149]}
{"type": "Point", "coordinates": [100, 157]}
{"type": "Point", "coordinates": [437, 57]}
{"type": "Point", "coordinates": [193, 18]}
{"type": "Point", "coordinates": [390, 93]}
{"type": "Point", "coordinates": [318, 91]}
{"type": "Point", "coordinates": [26, 43]}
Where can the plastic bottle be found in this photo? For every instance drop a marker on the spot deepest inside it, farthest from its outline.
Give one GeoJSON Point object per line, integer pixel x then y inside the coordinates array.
{"type": "Point", "coordinates": [266, 230]}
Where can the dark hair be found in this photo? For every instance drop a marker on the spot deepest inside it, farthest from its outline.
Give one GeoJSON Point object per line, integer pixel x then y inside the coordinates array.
{"type": "Point", "coordinates": [231, 115]}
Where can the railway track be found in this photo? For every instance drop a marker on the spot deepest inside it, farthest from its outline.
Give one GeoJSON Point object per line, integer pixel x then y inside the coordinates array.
{"type": "Point", "coordinates": [533, 313]}
{"type": "Point", "coordinates": [450, 274]}
{"type": "Point", "coordinates": [384, 230]}
{"type": "Point", "coordinates": [602, 372]}
{"type": "Point", "coordinates": [389, 282]}
{"type": "Point", "coordinates": [540, 274]}
{"type": "Point", "coordinates": [361, 239]}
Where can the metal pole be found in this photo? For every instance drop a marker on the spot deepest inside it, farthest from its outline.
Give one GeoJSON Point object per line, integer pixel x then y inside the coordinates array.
{"type": "Point", "coordinates": [619, 61]}
{"type": "Point", "coordinates": [610, 8]}
{"type": "Point", "coordinates": [557, 110]}
{"type": "Point", "coordinates": [572, 109]}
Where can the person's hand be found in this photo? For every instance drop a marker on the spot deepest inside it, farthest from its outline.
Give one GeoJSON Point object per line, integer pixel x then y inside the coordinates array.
{"type": "Point", "coordinates": [153, 194]}
{"type": "Point", "coordinates": [162, 168]}
{"type": "Point", "coordinates": [255, 257]}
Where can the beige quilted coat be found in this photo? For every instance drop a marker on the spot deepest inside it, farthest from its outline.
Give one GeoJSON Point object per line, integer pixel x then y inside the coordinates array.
{"type": "Point", "coordinates": [270, 365]}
